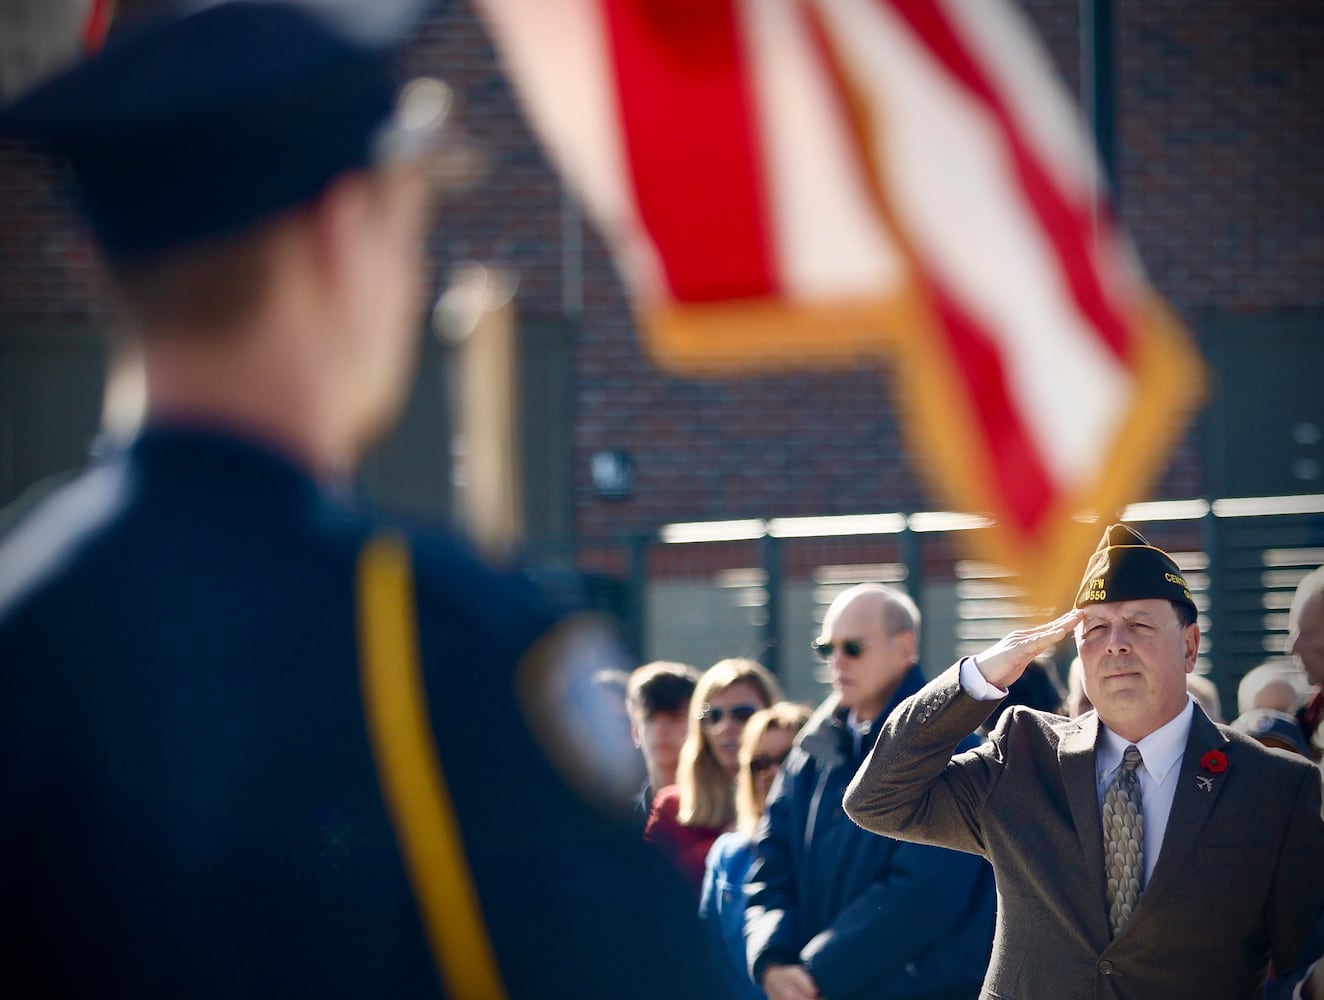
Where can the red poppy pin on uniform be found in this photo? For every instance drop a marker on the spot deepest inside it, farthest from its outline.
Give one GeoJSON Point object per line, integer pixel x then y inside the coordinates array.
{"type": "Point", "coordinates": [1214, 761]}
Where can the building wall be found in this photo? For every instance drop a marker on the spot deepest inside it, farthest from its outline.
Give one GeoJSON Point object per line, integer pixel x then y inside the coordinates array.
{"type": "Point", "coordinates": [1221, 168]}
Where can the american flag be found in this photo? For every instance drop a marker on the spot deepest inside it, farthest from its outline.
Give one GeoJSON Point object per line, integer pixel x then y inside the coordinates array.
{"type": "Point", "coordinates": [808, 183]}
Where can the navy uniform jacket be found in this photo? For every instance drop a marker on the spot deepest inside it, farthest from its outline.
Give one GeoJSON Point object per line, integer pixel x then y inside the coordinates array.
{"type": "Point", "coordinates": [189, 804]}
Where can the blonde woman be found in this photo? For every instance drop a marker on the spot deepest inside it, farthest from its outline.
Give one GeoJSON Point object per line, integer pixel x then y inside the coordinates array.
{"type": "Point", "coordinates": [688, 816]}
{"type": "Point", "coordinates": [765, 745]}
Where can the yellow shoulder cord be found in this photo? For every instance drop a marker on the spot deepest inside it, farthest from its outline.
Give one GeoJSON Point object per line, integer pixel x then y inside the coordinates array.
{"type": "Point", "coordinates": [410, 771]}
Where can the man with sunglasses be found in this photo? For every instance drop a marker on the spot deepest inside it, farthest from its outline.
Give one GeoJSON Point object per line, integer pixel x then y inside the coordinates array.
{"type": "Point", "coordinates": [835, 912]}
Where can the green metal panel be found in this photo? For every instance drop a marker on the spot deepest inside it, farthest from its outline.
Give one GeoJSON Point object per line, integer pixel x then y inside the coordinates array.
{"type": "Point", "coordinates": [546, 409]}
{"type": "Point", "coordinates": [1266, 404]}
{"type": "Point", "coordinates": [50, 405]}
{"type": "Point", "coordinates": [1258, 563]}
{"type": "Point", "coordinates": [410, 470]}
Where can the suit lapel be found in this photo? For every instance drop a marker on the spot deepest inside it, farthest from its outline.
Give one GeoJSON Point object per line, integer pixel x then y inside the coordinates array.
{"type": "Point", "coordinates": [1196, 794]}
{"type": "Point", "coordinates": [1076, 756]}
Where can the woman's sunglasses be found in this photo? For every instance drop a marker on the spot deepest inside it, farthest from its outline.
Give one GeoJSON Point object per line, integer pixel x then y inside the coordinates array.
{"type": "Point", "coordinates": [760, 764]}
{"type": "Point", "coordinates": [850, 648]}
{"type": "Point", "coordinates": [712, 715]}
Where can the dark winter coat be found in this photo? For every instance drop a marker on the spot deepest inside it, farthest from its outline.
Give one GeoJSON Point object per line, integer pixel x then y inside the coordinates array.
{"type": "Point", "coordinates": [866, 915]}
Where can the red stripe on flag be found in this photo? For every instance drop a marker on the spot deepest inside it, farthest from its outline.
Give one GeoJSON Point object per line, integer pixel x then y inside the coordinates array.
{"type": "Point", "coordinates": [1024, 491]}
{"type": "Point", "coordinates": [1068, 227]}
{"type": "Point", "coordinates": [96, 25]}
{"type": "Point", "coordinates": [690, 131]}
{"type": "Point", "coordinates": [1021, 480]}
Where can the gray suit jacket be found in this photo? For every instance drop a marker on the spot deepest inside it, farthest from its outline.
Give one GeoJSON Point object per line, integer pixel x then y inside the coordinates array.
{"type": "Point", "coordinates": [1239, 880]}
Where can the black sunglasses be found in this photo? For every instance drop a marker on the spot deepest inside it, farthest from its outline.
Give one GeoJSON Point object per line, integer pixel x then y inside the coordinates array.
{"type": "Point", "coordinates": [850, 648]}
{"type": "Point", "coordinates": [712, 715]}
{"type": "Point", "coordinates": [760, 764]}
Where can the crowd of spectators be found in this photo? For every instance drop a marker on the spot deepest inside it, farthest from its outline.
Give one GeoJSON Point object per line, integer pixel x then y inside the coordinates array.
{"type": "Point", "coordinates": [744, 793]}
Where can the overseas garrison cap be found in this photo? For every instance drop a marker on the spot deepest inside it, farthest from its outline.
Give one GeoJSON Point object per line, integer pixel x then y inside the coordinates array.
{"type": "Point", "coordinates": [194, 125]}
{"type": "Point", "coordinates": [1125, 567]}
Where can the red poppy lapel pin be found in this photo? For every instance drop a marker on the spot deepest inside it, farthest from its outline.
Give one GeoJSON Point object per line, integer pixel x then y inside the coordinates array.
{"type": "Point", "coordinates": [1215, 762]}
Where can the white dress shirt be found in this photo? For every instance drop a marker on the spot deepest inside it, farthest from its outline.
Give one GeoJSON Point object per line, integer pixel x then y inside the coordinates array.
{"type": "Point", "coordinates": [1161, 752]}
{"type": "Point", "coordinates": [976, 685]}
{"type": "Point", "coordinates": [859, 732]}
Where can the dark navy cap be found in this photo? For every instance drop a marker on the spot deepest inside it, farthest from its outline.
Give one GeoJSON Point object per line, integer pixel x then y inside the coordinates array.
{"type": "Point", "coordinates": [192, 126]}
{"type": "Point", "coordinates": [1273, 728]}
{"type": "Point", "coordinates": [1125, 567]}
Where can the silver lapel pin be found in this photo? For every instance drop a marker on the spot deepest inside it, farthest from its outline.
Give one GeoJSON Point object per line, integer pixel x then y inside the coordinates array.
{"type": "Point", "coordinates": [1205, 783]}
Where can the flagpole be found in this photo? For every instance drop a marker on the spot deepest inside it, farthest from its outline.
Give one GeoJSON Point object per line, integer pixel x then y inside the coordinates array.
{"type": "Point", "coordinates": [1097, 80]}
{"type": "Point", "coordinates": [476, 316]}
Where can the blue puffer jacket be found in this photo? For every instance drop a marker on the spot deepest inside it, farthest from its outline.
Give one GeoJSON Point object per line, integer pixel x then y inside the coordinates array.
{"type": "Point", "coordinates": [866, 915]}
{"type": "Point", "coordinates": [722, 909]}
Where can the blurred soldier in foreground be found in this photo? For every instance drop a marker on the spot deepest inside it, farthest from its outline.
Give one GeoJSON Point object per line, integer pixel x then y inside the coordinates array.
{"type": "Point", "coordinates": [252, 742]}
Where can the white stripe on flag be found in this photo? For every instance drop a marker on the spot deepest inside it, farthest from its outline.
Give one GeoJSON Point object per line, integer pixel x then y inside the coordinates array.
{"type": "Point", "coordinates": [1004, 42]}
{"type": "Point", "coordinates": [830, 243]}
{"type": "Point", "coordinates": [952, 185]}
{"type": "Point", "coordinates": [557, 51]}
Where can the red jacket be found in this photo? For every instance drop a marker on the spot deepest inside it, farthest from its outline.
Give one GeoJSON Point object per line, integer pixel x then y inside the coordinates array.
{"type": "Point", "coordinates": [685, 846]}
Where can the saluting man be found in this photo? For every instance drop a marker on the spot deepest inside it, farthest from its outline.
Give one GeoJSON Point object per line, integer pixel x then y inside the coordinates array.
{"type": "Point", "coordinates": [253, 741]}
{"type": "Point", "coordinates": [1140, 850]}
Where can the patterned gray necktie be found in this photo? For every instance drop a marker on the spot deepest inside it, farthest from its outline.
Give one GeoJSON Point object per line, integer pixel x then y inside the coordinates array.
{"type": "Point", "coordinates": [1123, 841]}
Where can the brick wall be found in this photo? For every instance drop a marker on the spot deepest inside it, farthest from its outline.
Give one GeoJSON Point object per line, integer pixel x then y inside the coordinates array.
{"type": "Point", "coordinates": [48, 270]}
{"type": "Point", "coordinates": [1221, 174]}
{"type": "Point", "coordinates": [1222, 146]}
{"type": "Point", "coordinates": [1221, 171]}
